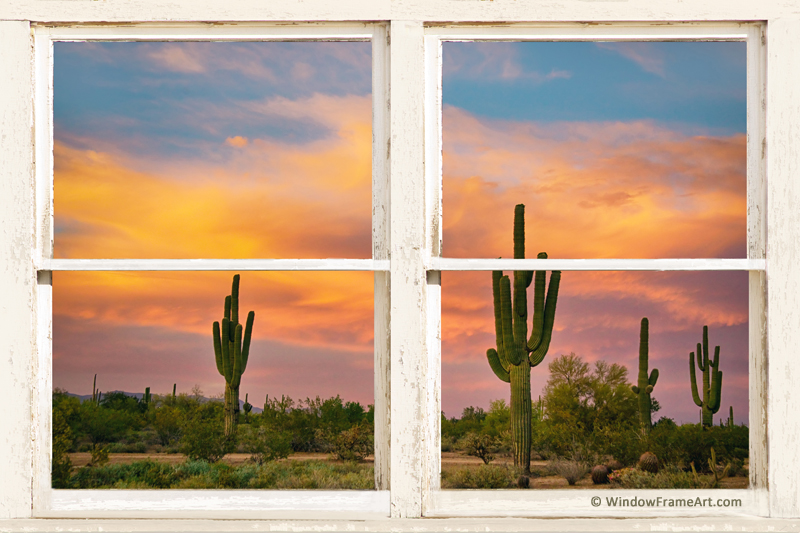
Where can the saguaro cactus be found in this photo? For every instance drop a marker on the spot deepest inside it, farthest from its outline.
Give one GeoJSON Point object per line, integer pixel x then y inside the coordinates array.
{"type": "Point", "coordinates": [712, 380]}
{"type": "Point", "coordinates": [231, 349]}
{"type": "Point", "coordinates": [645, 383]}
{"type": "Point", "coordinates": [515, 353]}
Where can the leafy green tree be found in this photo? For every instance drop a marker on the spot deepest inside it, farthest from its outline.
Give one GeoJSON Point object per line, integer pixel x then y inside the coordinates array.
{"type": "Point", "coordinates": [204, 436]}
{"type": "Point", "coordinates": [584, 406]}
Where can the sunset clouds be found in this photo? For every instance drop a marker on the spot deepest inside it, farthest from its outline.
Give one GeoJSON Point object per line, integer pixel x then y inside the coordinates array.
{"type": "Point", "coordinates": [623, 189]}
{"type": "Point", "coordinates": [263, 150]}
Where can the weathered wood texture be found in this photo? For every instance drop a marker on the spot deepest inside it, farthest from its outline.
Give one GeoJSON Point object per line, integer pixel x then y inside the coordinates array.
{"type": "Point", "coordinates": [783, 269]}
{"type": "Point", "coordinates": [17, 277]}
{"type": "Point", "coordinates": [408, 276]}
{"type": "Point", "coordinates": [757, 249]}
{"type": "Point", "coordinates": [380, 251]}
{"type": "Point", "coordinates": [441, 10]}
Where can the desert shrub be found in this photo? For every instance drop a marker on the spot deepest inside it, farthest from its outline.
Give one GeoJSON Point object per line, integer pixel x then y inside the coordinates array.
{"type": "Point", "coordinates": [668, 478]}
{"type": "Point", "coordinates": [124, 447]}
{"type": "Point", "coordinates": [353, 444]}
{"type": "Point", "coordinates": [62, 442]}
{"type": "Point", "coordinates": [103, 425]}
{"type": "Point", "coordinates": [572, 471]}
{"type": "Point", "coordinates": [265, 444]}
{"type": "Point", "coordinates": [623, 443]}
{"type": "Point", "coordinates": [204, 434]}
{"type": "Point", "coordinates": [543, 470]}
{"type": "Point", "coordinates": [482, 446]}
{"type": "Point", "coordinates": [483, 477]}
{"type": "Point", "coordinates": [167, 423]}
{"type": "Point", "coordinates": [147, 473]}
{"type": "Point", "coordinates": [99, 455]}
{"type": "Point", "coordinates": [314, 475]}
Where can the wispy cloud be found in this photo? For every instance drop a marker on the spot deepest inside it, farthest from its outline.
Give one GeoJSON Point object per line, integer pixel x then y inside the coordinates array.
{"type": "Point", "coordinates": [499, 61]}
{"type": "Point", "coordinates": [650, 58]}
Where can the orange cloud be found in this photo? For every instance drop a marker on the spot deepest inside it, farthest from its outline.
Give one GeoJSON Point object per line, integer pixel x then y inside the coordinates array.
{"type": "Point", "coordinates": [269, 199]}
{"type": "Point", "coordinates": [331, 310]}
{"type": "Point", "coordinates": [592, 190]}
{"type": "Point", "coordinates": [237, 141]}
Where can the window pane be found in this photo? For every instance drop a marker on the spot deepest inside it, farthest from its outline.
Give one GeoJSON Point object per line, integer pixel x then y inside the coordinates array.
{"type": "Point", "coordinates": [583, 408]}
{"type": "Point", "coordinates": [621, 149]}
{"type": "Point", "coordinates": [310, 362]}
{"type": "Point", "coordinates": [215, 150]}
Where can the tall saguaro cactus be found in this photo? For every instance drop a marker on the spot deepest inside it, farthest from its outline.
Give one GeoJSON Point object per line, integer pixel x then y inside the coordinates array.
{"type": "Point", "coordinates": [231, 349]}
{"type": "Point", "coordinates": [645, 383]}
{"type": "Point", "coordinates": [712, 380]}
{"type": "Point", "coordinates": [516, 353]}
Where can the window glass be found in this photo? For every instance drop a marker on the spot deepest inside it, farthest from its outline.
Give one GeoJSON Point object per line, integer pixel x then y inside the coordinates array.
{"type": "Point", "coordinates": [617, 149]}
{"type": "Point", "coordinates": [140, 399]}
{"type": "Point", "coordinates": [584, 412]}
{"type": "Point", "coordinates": [212, 149]}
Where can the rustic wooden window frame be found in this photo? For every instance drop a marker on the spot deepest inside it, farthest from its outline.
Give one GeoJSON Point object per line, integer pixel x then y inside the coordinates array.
{"type": "Point", "coordinates": [50, 502]}
{"type": "Point", "coordinates": [777, 429]}
{"type": "Point", "coordinates": [558, 503]}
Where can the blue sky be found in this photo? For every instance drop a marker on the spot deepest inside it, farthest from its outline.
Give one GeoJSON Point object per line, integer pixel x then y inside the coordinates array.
{"type": "Point", "coordinates": [685, 84]}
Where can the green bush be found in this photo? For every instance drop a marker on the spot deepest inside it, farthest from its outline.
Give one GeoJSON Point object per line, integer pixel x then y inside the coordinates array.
{"type": "Point", "coordinates": [481, 446]}
{"type": "Point", "coordinates": [483, 477]}
{"type": "Point", "coordinates": [265, 444]}
{"type": "Point", "coordinates": [204, 434]}
{"type": "Point", "coordinates": [572, 471]}
{"type": "Point", "coordinates": [353, 444]}
{"type": "Point", "coordinates": [667, 478]}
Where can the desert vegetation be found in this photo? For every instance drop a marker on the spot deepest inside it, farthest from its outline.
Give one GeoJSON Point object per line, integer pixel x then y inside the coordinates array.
{"type": "Point", "coordinates": [174, 441]}
{"type": "Point", "coordinates": [588, 416]}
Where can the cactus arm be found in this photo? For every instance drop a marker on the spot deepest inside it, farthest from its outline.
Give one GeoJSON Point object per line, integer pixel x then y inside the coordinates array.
{"type": "Point", "coordinates": [520, 316]}
{"type": "Point", "coordinates": [653, 377]}
{"type": "Point", "coordinates": [538, 306]}
{"type": "Point", "coordinates": [716, 392]}
{"type": "Point", "coordinates": [635, 389]}
{"type": "Point", "coordinates": [235, 300]}
{"type": "Point", "coordinates": [218, 348]}
{"type": "Point", "coordinates": [715, 362]}
{"type": "Point", "coordinates": [227, 312]}
{"type": "Point", "coordinates": [497, 366]}
{"type": "Point", "coordinates": [538, 354]}
{"type": "Point", "coordinates": [519, 231]}
{"type": "Point", "coordinates": [693, 380]}
{"type": "Point", "coordinates": [508, 334]}
{"type": "Point", "coordinates": [498, 318]}
{"type": "Point", "coordinates": [227, 365]}
{"type": "Point", "coordinates": [248, 333]}
{"type": "Point", "coordinates": [237, 358]}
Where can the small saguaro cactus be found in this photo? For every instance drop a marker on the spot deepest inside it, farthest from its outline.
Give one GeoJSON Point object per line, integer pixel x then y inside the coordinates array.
{"type": "Point", "coordinates": [247, 406]}
{"type": "Point", "coordinates": [712, 380]}
{"type": "Point", "coordinates": [146, 396]}
{"type": "Point", "coordinates": [95, 392]}
{"type": "Point", "coordinates": [515, 353]}
{"type": "Point", "coordinates": [232, 349]}
{"type": "Point", "coordinates": [730, 418]}
{"type": "Point", "coordinates": [645, 383]}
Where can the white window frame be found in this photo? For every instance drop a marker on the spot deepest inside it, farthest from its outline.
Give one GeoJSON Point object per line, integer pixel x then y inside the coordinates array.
{"type": "Point", "coordinates": [559, 503]}
{"type": "Point", "coordinates": [48, 502]}
{"type": "Point", "coordinates": [776, 426]}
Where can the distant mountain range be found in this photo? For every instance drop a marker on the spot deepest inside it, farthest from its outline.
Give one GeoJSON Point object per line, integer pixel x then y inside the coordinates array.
{"type": "Point", "coordinates": [140, 395]}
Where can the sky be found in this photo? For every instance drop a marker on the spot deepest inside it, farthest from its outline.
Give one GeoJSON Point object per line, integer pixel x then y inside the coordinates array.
{"type": "Point", "coordinates": [256, 150]}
